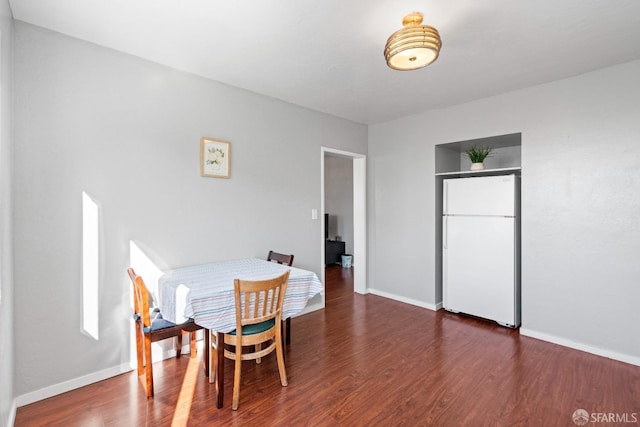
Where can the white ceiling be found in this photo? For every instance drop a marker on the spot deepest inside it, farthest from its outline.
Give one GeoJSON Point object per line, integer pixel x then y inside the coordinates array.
{"type": "Point", "coordinates": [327, 55]}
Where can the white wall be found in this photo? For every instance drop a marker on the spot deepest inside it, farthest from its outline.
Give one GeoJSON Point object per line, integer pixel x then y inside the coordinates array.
{"type": "Point", "coordinates": [338, 191]}
{"type": "Point", "coordinates": [127, 132]}
{"type": "Point", "coordinates": [7, 408]}
{"type": "Point", "coordinates": [580, 204]}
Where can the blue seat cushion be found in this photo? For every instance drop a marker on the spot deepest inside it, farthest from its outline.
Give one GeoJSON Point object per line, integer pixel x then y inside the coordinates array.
{"type": "Point", "coordinates": [256, 328]}
{"type": "Point", "coordinates": [157, 321]}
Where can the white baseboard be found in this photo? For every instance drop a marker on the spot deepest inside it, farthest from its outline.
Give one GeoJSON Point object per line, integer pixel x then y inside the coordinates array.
{"type": "Point", "coordinates": [309, 308]}
{"type": "Point", "coordinates": [66, 386]}
{"type": "Point", "coordinates": [91, 378]}
{"type": "Point", "coordinates": [626, 358]}
{"type": "Point", "coordinates": [12, 413]}
{"type": "Point", "coordinates": [433, 307]}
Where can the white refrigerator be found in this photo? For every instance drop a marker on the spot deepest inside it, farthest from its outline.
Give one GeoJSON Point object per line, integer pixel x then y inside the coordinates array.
{"type": "Point", "coordinates": [480, 247]}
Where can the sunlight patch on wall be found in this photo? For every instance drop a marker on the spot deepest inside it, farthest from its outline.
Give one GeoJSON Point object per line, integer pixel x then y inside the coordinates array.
{"type": "Point", "coordinates": [90, 265]}
{"type": "Point", "coordinates": [146, 268]}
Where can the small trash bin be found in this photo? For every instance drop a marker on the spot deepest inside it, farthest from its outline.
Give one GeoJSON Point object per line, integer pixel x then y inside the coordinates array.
{"type": "Point", "coordinates": [346, 260]}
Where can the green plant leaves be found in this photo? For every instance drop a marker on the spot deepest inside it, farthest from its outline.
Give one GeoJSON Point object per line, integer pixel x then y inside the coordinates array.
{"type": "Point", "coordinates": [478, 154]}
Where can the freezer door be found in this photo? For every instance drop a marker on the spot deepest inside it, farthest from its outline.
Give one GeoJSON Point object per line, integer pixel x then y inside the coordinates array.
{"type": "Point", "coordinates": [488, 195]}
{"type": "Point", "coordinates": [479, 267]}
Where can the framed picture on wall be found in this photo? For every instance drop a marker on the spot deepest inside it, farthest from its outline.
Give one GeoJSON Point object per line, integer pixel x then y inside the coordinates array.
{"type": "Point", "coordinates": [214, 158]}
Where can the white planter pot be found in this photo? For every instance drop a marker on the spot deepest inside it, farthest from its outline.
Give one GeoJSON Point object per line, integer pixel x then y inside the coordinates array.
{"type": "Point", "coordinates": [477, 166]}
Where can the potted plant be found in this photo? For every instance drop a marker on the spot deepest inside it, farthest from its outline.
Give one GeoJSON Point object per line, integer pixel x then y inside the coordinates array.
{"type": "Point", "coordinates": [477, 156]}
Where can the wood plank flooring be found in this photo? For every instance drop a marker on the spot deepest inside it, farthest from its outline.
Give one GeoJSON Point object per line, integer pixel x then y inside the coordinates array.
{"type": "Point", "coordinates": [367, 360]}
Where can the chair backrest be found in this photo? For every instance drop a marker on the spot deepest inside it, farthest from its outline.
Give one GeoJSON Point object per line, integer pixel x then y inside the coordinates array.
{"type": "Point", "coordinates": [280, 258]}
{"type": "Point", "coordinates": [259, 300]}
{"type": "Point", "coordinates": [140, 299]}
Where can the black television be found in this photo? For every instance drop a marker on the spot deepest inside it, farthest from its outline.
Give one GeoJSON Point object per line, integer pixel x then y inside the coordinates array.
{"type": "Point", "coordinates": [326, 226]}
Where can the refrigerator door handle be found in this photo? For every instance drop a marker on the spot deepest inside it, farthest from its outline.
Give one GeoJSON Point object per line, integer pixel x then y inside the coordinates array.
{"type": "Point", "coordinates": [445, 232]}
{"type": "Point", "coordinates": [445, 197]}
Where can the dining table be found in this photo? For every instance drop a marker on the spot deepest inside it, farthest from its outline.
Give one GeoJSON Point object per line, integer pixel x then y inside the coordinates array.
{"type": "Point", "coordinates": [205, 293]}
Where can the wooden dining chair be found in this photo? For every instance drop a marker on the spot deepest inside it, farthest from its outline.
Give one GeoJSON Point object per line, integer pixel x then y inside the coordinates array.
{"type": "Point", "coordinates": [286, 260]}
{"type": "Point", "coordinates": [151, 327]}
{"type": "Point", "coordinates": [280, 258]}
{"type": "Point", "coordinates": [258, 326]}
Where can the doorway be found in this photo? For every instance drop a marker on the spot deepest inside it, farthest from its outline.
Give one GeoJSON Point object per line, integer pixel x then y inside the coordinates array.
{"type": "Point", "coordinates": [356, 224]}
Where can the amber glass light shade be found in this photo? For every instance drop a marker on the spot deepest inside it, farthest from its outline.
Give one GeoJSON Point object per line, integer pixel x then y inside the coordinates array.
{"type": "Point", "coordinates": [415, 46]}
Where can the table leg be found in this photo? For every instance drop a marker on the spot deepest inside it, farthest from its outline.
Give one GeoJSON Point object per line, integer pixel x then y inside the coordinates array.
{"type": "Point", "coordinates": [286, 335]}
{"type": "Point", "coordinates": [287, 332]}
{"type": "Point", "coordinates": [283, 331]}
{"type": "Point", "coordinates": [207, 349]}
{"type": "Point", "coordinates": [219, 367]}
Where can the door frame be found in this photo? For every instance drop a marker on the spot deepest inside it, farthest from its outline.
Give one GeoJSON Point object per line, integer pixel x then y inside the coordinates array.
{"type": "Point", "coordinates": [359, 215]}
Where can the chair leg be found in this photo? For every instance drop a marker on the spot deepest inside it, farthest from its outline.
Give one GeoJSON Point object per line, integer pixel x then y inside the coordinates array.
{"type": "Point", "coordinates": [139, 349]}
{"type": "Point", "coordinates": [194, 345]}
{"type": "Point", "coordinates": [236, 377]}
{"type": "Point", "coordinates": [179, 344]}
{"type": "Point", "coordinates": [148, 366]}
{"type": "Point", "coordinates": [280, 357]}
{"type": "Point", "coordinates": [258, 347]}
{"type": "Point", "coordinates": [207, 351]}
{"type": "Point", "coordinates": [212, 356]}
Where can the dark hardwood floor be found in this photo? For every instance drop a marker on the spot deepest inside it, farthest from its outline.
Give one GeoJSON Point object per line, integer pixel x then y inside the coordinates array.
{"type": "Point", "coordinates": [367, 360]}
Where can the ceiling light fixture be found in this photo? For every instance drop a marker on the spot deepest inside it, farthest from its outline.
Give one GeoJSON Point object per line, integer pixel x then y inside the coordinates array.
{"type": "Point", "coordinates": [414, 46]}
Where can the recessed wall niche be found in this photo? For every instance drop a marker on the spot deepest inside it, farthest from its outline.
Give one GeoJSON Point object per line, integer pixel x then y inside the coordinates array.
{"type": "Point", "coordinates": [451, 159]}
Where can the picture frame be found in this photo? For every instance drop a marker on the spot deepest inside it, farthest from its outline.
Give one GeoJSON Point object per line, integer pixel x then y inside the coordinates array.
{"type": "Point", "coordinates": [215, 158]}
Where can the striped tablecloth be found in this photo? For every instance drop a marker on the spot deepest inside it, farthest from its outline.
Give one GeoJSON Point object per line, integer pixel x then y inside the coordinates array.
{"type": "Point", "coordinates": [205, 292]}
